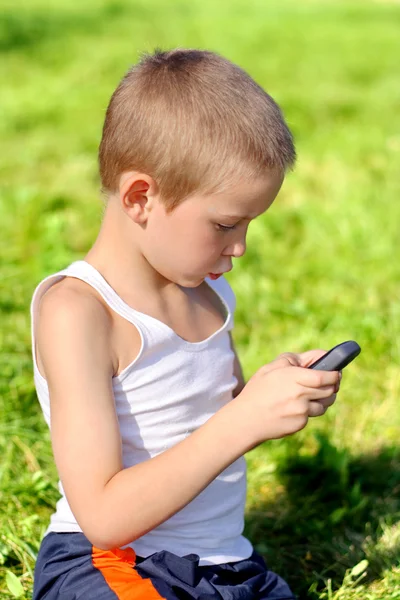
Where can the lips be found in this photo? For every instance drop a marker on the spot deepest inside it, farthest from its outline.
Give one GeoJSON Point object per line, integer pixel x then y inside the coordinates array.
{"type": "Point", "coordinates": [216, 275]}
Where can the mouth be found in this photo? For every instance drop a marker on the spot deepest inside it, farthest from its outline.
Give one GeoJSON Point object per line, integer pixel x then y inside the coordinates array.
{"type": "Point", "coordinates": [217, 275]}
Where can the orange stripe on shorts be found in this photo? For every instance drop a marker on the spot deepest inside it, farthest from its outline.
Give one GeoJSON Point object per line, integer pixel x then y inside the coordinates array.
{"type": "Point", "coordinates": [117, 568]}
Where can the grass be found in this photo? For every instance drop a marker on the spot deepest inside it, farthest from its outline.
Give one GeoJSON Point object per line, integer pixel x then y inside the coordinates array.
{"type": "Point", "coordinates": [321, 265]}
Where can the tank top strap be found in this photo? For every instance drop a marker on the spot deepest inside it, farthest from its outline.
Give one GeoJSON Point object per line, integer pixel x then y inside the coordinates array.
{"type": "Point", "coordinates": [86, 272]}
{"type": "Point", "coordinates": [154, 333]}
{"type": "Point", "coordinates": [224, 290]}
{"type": "Point", "coordinates": [151, 331]}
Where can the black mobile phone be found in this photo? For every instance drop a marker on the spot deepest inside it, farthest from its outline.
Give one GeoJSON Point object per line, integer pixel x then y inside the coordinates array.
{"type": "Point", "coordinates": [337, 358]}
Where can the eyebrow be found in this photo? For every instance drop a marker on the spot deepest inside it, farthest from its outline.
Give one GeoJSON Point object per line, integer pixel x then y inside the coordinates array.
{"type": "Point", "coordinates": [248, 217]}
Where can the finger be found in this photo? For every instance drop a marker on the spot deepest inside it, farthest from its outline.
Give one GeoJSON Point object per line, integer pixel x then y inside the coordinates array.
{"type": "Point", "coordinates": [338, 384]}
{"type": "Point", "coordinates": [291, 357]}
{"type": "Point", "coordinates": [319, 394]}
{"type": "Point", "coordinates": [316, 379]}
{"type": "Point", "coordinates": [279, 363]}
{"type": "Point", "coordinates": [307, 358]}
{"type": "Point", "coordinates": [327, 402]}
{"type": "Point", "coordinates": [316, 409]}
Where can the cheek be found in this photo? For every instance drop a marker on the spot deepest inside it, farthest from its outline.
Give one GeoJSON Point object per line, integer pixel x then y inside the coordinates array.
{"type": "Point", "coordinates": [199, 249]}
{"type": "Point", "coordinates": [207, 242]}
{"type": "Point", "coordinates": [185, 242]}
{"type": "Point", "coordinates": [194, 233]}
{"type": "Point", "coordinates": [160, 242]}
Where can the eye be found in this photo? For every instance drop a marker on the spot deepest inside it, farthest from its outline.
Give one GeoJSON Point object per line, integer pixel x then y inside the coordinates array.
{"type": "Point", "coordinates": [225, 227]}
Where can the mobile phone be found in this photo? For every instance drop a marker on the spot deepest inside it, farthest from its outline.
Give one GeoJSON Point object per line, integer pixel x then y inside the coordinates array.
{"type": "Point", "coordinates": [337, 358]}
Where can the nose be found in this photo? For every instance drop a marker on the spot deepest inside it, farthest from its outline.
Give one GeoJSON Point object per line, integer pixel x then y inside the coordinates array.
{"type": "Point", "coordinates": [236, 249]}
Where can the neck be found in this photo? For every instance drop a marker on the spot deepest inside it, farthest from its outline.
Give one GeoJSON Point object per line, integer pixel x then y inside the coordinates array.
{"type": "Point", "coordinates": [116, 254]}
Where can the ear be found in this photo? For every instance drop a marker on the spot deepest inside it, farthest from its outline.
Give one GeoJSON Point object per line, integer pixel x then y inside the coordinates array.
{"type": "Point", "coordinates": [137, 192]}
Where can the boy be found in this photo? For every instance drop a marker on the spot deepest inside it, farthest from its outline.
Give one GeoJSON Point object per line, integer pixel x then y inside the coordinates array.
{"type": "Point", "coordinates": [133, 355]}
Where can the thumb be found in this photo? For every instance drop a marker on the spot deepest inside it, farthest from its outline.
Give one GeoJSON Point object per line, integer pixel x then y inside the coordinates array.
{"type": "Point", "coordinates": [284, 360]}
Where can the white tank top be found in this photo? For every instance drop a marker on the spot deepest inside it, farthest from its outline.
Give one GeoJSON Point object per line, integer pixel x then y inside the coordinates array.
{"type": "Point", "coordinates": [171, 388]}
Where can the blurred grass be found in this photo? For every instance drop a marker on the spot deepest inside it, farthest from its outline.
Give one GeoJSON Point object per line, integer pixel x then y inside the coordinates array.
{"type": "Point", "coordinates": [321, 265]}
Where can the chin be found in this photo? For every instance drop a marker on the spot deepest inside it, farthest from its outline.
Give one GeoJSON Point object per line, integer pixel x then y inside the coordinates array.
{"type": "Point", "coordinates": [193, 283]}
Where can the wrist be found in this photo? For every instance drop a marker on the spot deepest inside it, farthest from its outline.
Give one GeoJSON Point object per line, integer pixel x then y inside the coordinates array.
{"type": "Point", "coordinates": [234, 423]}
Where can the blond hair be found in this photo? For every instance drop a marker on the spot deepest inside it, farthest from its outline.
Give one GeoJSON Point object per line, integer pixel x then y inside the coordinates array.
{"type": "Point", "coordinates": [194, 122]}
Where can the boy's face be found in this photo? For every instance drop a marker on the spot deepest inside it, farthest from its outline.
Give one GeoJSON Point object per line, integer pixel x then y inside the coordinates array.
{"type": "Point", "coordinates": [204, 233]}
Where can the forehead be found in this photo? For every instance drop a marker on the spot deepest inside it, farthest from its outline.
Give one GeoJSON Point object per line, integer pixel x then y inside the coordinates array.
{"type": "Point", "coordinates": [246, 199]}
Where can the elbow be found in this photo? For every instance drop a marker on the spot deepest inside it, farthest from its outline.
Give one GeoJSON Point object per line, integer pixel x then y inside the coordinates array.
{"type": "Point", "coordinates": [98, 536]}
{"type": "Point", "coordinates": [108, 542]}
{"type": "Point", "coordinates": [106, 534]}
{"type": "Point", "coordinates": [101, 539]}
{"type": "Point", "coordinates": [107, 526]}
{"type": "Point", "coordinates": [98, 530]}
{"type": "Point", "coordinates": [102, 544]}
{"type": "Point", "coordinates": [101, 533]}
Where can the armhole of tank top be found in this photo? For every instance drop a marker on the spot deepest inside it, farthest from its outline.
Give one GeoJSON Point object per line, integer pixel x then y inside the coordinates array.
{"type": "Point", "coordinates": [224, 290]}
{"type": "Point", "coordinates": [39, 292]}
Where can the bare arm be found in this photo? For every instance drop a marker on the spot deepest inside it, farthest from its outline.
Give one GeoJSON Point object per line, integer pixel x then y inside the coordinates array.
{"type": "Point", "coordinates": [113, 505]}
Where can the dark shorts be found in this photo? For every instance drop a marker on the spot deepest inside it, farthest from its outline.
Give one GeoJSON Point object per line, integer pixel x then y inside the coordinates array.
{"type": "Point", "coordinates": [69, 567]}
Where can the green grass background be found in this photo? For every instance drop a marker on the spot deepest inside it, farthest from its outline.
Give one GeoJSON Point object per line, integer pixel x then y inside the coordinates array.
{"type": "Point", "coordinates": [322, 264]}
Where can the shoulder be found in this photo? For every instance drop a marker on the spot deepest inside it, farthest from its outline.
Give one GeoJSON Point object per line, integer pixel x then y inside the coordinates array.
{"type": "Point", "coordinates": [72, 315]}
{"type": "Point", "coordinates": [73, 300]}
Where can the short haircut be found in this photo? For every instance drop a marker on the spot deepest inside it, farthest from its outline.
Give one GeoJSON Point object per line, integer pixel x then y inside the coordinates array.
{"type": "Point", "coordinates": [193, 121]}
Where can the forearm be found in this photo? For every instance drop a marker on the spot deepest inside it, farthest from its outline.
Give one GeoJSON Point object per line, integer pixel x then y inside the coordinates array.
{"type": "Point", "coordinates": [139, 498]}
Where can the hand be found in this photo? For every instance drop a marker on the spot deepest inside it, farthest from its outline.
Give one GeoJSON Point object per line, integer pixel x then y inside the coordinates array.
{"type": "Point", "coordinates": [282, 395]}
{"type": "Point", "coordinates": [305, 359]}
